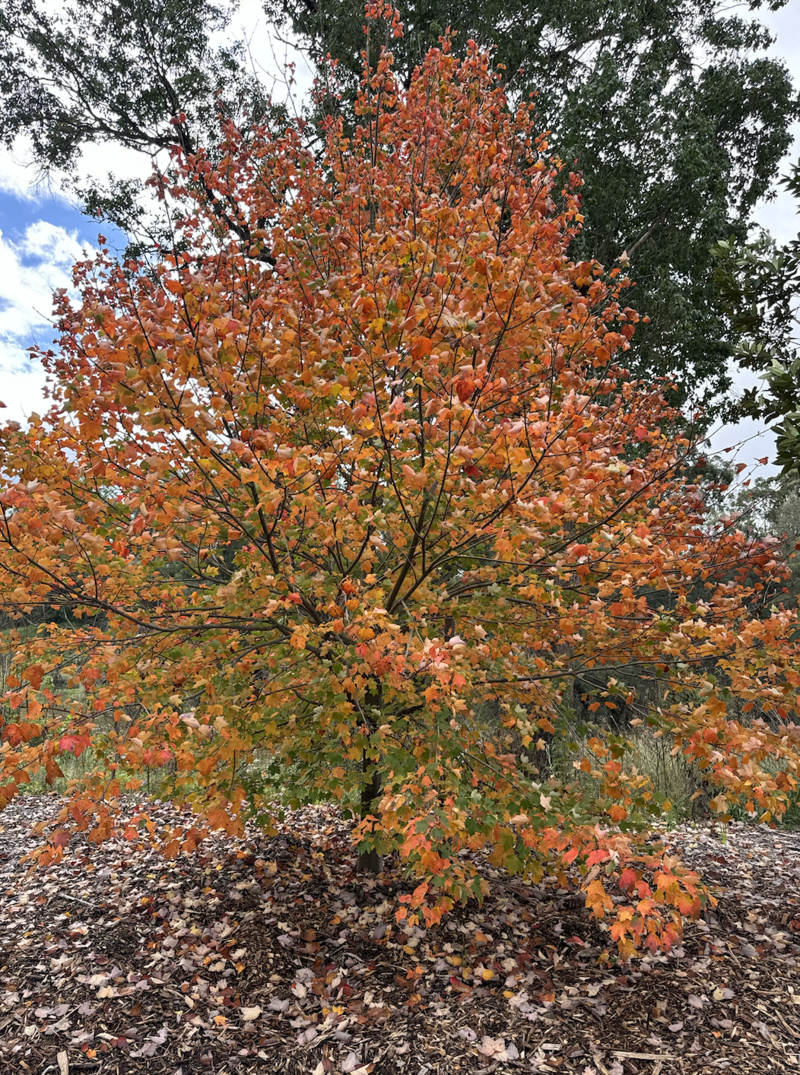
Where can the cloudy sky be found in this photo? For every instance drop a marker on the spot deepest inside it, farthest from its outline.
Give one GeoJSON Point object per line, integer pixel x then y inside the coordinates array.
{"type": "Point", "coordinates": [42, 233]}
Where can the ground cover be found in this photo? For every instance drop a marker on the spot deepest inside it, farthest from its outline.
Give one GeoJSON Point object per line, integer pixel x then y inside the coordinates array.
{"type": "Point", "coordinates": [271, 954]}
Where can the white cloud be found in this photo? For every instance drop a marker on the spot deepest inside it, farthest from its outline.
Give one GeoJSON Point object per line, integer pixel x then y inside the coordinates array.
{"type": "Point", "coordinates": [748, 440]}
{"type": "Point", "coordinates": [271, 54]}
{"type": "Point", "coordinates": [22, 393]}
{"type": "Point", "coordinates": [97, 161]}
{"type": "Point", "coordinates": [48, 242]}
{"type": "Point", "coordinates": [17, 177]}
{"type": "Point", "coordinates": [30, 271]}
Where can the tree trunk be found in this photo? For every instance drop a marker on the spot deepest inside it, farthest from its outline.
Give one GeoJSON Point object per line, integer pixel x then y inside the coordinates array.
{"type": "Point", "coordinates": [370, 862]}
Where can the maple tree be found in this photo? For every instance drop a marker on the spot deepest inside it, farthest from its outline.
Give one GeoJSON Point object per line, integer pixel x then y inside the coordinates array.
{"type": "Point", "coordinates": [349, 522]}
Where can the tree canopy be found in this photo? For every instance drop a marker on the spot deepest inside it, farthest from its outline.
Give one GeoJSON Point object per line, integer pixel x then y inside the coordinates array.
{"type": "Point", "coordinates": [353, 523]}
{"type": "Point", "coordinates": [671, 112]}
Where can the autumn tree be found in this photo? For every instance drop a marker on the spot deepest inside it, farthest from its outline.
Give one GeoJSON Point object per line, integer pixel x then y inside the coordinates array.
{"type": "Point", "coordinates": [318, 512]}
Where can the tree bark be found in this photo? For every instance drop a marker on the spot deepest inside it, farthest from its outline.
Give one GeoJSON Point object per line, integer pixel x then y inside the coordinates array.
{"type": "Point", "coordinates": [370, 862]}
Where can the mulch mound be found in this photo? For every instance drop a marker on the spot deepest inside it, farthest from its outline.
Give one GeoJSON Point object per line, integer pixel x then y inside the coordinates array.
{"type": "Point", "coordinates": [272, 955]}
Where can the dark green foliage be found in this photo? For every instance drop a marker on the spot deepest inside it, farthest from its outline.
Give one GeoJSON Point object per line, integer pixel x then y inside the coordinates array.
{"type": "Point", "coordinates": [760, 283]}
{"type": "Point", "coordinates": [669, 109]}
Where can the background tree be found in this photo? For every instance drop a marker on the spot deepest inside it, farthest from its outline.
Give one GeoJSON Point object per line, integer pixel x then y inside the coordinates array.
{"type": "Point", "coordinates": [670, 111]}
{"type": "Point", "coordinates": [141, 74]}
{"type": "Point", "coordinates": [760, 284]}
{"type": "Point", "coordinates": [316, 512]}
{"type": "Point", "coordinates": [768, 509]}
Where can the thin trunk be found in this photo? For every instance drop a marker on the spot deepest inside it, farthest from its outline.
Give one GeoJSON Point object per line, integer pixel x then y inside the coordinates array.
{"type": "Point", "coordinates": [370, 862]}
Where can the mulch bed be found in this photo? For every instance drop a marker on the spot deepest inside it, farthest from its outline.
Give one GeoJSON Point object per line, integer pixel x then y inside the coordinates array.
{"type": "Point", "coordinates": [272, 955]}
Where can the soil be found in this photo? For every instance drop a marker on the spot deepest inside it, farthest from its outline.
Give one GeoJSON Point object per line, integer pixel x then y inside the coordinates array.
{"type": "Point", "coordinates": [274, 955]}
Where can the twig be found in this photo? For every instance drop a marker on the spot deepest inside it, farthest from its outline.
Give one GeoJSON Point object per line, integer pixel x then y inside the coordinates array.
{"type": "Point", "coordinates": [77, 899]}
{"type": "Point", "coordinates": [660, 1057]}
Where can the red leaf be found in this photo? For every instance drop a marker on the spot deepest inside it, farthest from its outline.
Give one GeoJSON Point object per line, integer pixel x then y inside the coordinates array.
{"type": "Point", "coordinates": [464, 389]}
{"type": "Point", "coordinates": [627, 879]}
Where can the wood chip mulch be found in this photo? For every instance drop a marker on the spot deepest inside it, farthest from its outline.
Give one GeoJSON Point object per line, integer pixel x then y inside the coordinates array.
{"type": "Point", "coordinates": [272, 955]}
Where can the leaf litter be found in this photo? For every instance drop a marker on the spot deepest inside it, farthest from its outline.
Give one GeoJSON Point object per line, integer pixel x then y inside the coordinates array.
{"type": "Point", "coordinates": [271, 954]}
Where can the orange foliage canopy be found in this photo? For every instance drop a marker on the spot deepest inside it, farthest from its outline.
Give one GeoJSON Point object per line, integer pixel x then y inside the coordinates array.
{"type": "Point", "coordinates": [350, 508]}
